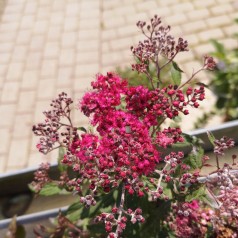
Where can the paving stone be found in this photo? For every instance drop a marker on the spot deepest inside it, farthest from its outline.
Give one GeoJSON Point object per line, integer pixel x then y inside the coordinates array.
{"type": "Point", "coordinates": [18, 153]}
{"type": "Point", "coordinates": [30, 8]}
{"type": "Point", "coordinates": [86, 70]}
{"type": "Point", "coordinates": [146, 5]}
{"type": "Point", "coordinates": [3, 70]}
{"type": "Point", "coordinates": [51, 50]}
{"type": "Point", "coordinates": [56, 18]}
{"type": "Point", "coordinates": [230, 30]}
{"type": "Point", "coordinates": [43, 13]}
{"type": "Point", "coordinates": [198, 14]}
{"type": "Point", "coordinates": [30, 79]}
{"type": "Point", "coordinates": [68, 39]}
{"type": "Point", "coordinates": [19, 53]}
{"type": "Point", "coordinates": [40, 27]}
{"type": "Point", "coordinates": [194, 26]}
{"type": "Point", "coordinates": [109, 34]}
{"type": "Point", "coordinates": [54, 33]}
{"type": "Point", "coordinates": [203, 49]}
{"type": "Point", "coordinates": [3, 159]}
{"type": "Point", "coordinates": [48, 68]}
{"type": "Point", "coordinates": [7, 112]}
{"type": "Point", "coordinates": [204, 4]}
{"type": "Point", "coordinates": [4, 140]}
{"type": "Point", "coordinates": [67, 57]}
{"type": "Point", "coordinates": [33, 60]}
{"type": "Point", "coordinates": [6, 47]}
{"type": "Point", "coordinates": [221, 9]}
{"type": "Point", "coordinates": [88, 34]}
{"type": "Point", "coordinates": [41, 106]}
{"type": "Point", "coordinates": [64, 78]}
{"type": "Point", "coordinates": [37, 42]}
{"type": "Point", "coordinates": [9, 37]}
{"type": "Point", "coordinates": [23, 37]}
{"type": "Point", "coordinates": [176, 19]}
{"type": "Point", "coordinates": [46, 89]}
{"type": "Point", "coordinates": [10, 92]}
{"type": "Point", "coordinates": [134, 18]}
{"type": "Point", "coordinates": [218, 21]}
{"type": "Point", "coordinates": [182, 7]}
{"type": "Point", "coordinates": [26, 102]}
{"type": "Point", "coordinates": [22, 126]}
{"type": "Point", "coordinates": [10, 17]}
{"type": "Point", "coordinates": [229, 43]}
{"type": "Point", "coordinates": [121, 43]}
{"type": "Point", "coordinates": [7, 27]}
{"type": "Point", "coordinates": [91, 23]}
{"type": "Point", "coordinates": [128, 30]}
{"type": "Point", "coordinates": [5, 58]}
{"type": "Point", "coordinates": [111, 22]}
{"type": "Point", "coordinates": [71, 24]}
{"type": "Point", "coordinates": [89, 45]}
{"type": "Point", "coordinates": [72, 9]}
{"type": "Point", "coordinates": [211, 34]}
{"type": "Point", "coordinates": [14, 71]}
{"type": "Point", "coordinates": [88, 57]}
{"type": "Point", "coordinates": [27, 22]}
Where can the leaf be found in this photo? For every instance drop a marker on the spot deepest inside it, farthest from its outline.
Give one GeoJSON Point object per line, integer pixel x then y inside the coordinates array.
{"type": "Point", "coordinates": [196, 194]}
{"type": "Point", "coordinates": [211, 137]}
{"type": "Point", "coordinates": [176, 76]}
{"type": "Point", "coordinates": [61, 167]}
{"type": "Point", "coordinates": [81, 128]}
{"type": "Point", "coordinates": [219, 48]}
{"type": "Point", "coordinates": [176, 67]}
{"type": "Point", "coordinates": [15, 230]}
{"type": "Point", "coordinates": [194, 159]}
{"type": "Point", "coordinates": [50, 189]}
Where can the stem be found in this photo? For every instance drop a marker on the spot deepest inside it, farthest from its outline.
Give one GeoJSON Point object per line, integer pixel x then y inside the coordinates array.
{"type": "Point", "coordinates": [151, 80]}
{"type": "Point", "coordinates": [161, 176]}
{"type": "Point", "coordinates": [121, 208]}
{"type": "Point", "coordinates": [217, 162]}
{"type": "Point", "coordinates": [192, 76]}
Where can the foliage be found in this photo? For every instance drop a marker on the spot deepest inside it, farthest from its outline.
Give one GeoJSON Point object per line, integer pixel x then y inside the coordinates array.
{"type": "Point", "coordinates": [130, 176]}
{"type": "Point", "coordinates": [225, 80]}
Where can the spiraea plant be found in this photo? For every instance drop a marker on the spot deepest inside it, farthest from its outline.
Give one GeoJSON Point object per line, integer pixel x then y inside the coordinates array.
{"type": "Point", "coordinates": [125, 182]}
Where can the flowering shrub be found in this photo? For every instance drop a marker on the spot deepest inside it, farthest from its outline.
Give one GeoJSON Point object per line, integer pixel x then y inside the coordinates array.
{"type": "Point", "coordinates": [123, 176]}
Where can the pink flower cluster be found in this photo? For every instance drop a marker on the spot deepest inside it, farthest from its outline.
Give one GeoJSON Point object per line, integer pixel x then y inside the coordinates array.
{"type": "Point", "coordinates": [190, 220]}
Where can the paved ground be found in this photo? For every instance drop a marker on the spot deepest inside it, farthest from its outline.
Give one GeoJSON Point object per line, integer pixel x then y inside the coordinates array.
{"type": "Point", "coordinates": [47, 46]}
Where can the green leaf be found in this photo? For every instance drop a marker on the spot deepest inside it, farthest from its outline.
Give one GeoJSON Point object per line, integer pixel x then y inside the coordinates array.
{"type": "Point", "coordinates": [176, 67]}
{"type": "Point", "coordinates": [219, 48]}
{"type": "Point", "coordinates": [81, 128]}
{"type": "Point", "coordinates": [61, 167]}
{"type": "Point", "coordinates": [50, 189]}
{"type": "Point", "coordinates": [197, 194]}
{"type": "Point", "coordinates": [74, 212]}
{"type": "Point", "coordinates": [194, 159]}
{"type": "Point", "coordinates": [176, 76]}
{"type": "Point", "coordinates": [211, 137]}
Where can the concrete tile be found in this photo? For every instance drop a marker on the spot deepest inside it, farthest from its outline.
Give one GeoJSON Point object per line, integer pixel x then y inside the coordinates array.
{"type": "Point", "coordinates": [67, 57]}
{"type": "Point", "coordinates": [46, 89]}
{"type": "Point", "coordinates": [30, 79]}
{"type": "Point", "coordinates": [22, 126]}
{"type": "Point", "coordinates": [48, 68]}
{"type": "Point", "coordinates": [4, 140]}
{"type": "Point", "coordinates": [14, 71]}
{"type": "Point", "coordinates": [26, 101]}
{"type": "Point", "coordinates": [7, 112]}
{"type": "Point", "coordinates": [18, 153]}
{"type": "Point", "coordinates": [10, 92]}
{"type": "Point", "coordinates": [64, 78]}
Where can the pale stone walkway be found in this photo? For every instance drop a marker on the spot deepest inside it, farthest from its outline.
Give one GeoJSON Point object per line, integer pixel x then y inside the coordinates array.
{"type": "Point", "coordinates": [49, 46]}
